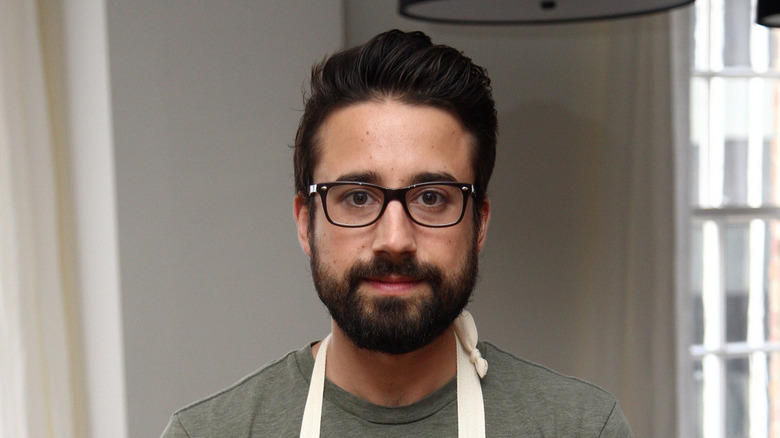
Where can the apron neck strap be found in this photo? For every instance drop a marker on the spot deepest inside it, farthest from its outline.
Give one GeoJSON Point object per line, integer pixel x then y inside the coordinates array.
{"type": "Point", "coordinates": [470, 368]}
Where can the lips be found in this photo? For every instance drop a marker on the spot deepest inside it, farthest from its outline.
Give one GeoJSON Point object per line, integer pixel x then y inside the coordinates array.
{"type": "Point", "coordinates": [393, 285]}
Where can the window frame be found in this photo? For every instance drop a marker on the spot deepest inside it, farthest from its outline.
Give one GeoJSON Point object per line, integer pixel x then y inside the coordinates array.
{"type": "Point", "coordinates": [702, 204]}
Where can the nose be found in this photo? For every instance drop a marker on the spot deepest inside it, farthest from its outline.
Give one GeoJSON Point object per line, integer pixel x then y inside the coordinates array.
{"type": "Point", "coordinates": [395, 232]}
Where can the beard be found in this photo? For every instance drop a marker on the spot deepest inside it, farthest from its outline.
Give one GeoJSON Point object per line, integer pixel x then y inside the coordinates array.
{"type": "Point", "coordinates": [395, 325]}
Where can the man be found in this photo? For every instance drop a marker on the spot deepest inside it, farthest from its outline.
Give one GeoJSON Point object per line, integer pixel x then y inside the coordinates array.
{"type": "Point", "coordinates": [392, 160]}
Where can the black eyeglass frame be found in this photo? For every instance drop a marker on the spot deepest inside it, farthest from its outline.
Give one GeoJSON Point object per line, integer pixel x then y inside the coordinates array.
{"type": "Point", "coordinates": [392, 194]}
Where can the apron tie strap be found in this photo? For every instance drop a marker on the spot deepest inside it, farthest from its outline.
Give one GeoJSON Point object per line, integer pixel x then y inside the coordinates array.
{"type": "Point", "coordinates": [467, 333]}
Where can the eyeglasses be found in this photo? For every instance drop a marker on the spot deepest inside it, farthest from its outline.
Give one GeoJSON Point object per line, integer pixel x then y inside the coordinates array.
{"type": "Point", "coordinates": [357, 204]}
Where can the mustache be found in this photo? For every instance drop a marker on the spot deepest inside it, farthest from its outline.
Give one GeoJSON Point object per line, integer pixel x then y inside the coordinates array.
{"type": "Point", "coordinates": [383, 266]}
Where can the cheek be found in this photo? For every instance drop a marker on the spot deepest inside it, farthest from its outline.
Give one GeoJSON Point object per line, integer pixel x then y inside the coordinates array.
{"type": "Point", "coordinates": [339, 248]}
{"type": "Point", "coordinates": [461, 243]}
{"type": "Point", "coordinates": [443, 249]}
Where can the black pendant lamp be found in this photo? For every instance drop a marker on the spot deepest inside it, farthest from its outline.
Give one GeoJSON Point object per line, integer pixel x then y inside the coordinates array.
{"type": "Point", "coordinates": [532, 11]}
{"type": "Point", "coordinates": [768, 13]}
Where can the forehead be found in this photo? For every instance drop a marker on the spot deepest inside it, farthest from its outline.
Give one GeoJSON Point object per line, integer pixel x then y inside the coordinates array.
{"type": "Point", "coordinates": [393, 144]}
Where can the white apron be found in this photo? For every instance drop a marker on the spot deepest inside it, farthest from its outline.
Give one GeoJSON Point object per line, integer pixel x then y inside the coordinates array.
{"type": "Point", "coordinates": [471, 367]}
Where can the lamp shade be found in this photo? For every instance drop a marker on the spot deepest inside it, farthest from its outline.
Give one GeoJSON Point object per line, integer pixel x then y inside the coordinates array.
{"type": "Point", "coordinates": [768, 13]}
{"type": "Point", "coordinates": [529, 11]}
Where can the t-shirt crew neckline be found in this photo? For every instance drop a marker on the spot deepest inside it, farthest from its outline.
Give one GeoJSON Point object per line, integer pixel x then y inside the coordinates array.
{"type": "Point", "coordinates": [374, 413]}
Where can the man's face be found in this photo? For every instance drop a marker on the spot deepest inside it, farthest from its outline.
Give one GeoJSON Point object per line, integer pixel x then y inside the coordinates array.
{"type": "Point", "coordinates": [392, 286]}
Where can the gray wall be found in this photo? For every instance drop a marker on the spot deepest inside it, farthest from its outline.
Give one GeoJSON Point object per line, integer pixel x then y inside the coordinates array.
{"type": "Point", "coordinates": [206, 98]}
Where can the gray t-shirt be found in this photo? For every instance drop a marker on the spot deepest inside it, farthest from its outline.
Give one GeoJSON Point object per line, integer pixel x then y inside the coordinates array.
{"type": "Point", "coordinates": [521, 400]}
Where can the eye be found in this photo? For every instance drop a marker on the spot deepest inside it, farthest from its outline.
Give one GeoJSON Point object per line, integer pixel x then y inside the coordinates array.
{"type": "Point", "coordinates": [430, 197]}
{"type": "Point", "coordinates": [358, 198]}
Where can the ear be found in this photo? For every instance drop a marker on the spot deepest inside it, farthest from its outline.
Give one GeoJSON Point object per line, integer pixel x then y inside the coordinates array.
{"type": "Point", "coordinates": [483, 225]}
{"type": "Point", "coordinates": [301, 215]}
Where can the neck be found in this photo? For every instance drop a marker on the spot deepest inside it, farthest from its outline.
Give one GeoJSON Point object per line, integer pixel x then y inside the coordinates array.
{"type": "Point", "coordinates": [390, 379]}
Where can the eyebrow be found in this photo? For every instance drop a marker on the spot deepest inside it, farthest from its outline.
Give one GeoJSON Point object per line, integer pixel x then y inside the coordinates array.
{"type": "Point", "coordinates": [373, 177]}
{"type": "Point", "coordinates": [432, 176]}
{"type": "Point", "coordinates": [366, 177]}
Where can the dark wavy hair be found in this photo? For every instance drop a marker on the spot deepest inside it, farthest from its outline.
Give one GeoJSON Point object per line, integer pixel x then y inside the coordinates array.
{"type": "Point", "coordinates": [408, 67]}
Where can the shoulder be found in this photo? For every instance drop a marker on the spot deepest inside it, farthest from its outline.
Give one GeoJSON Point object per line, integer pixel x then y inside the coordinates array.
{"type": "Point", "coordinates": [255, 399]}
{"type": "Point", "coordinates": [515, 373]}
{"type": "Point", "coordinates": [540, 397]}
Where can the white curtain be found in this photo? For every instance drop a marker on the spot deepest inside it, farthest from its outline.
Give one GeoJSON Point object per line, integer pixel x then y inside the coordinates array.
{"type": "Point", "coordinates": [38, 368]}
{"type": "Point", "coordinates": [628, 341]}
